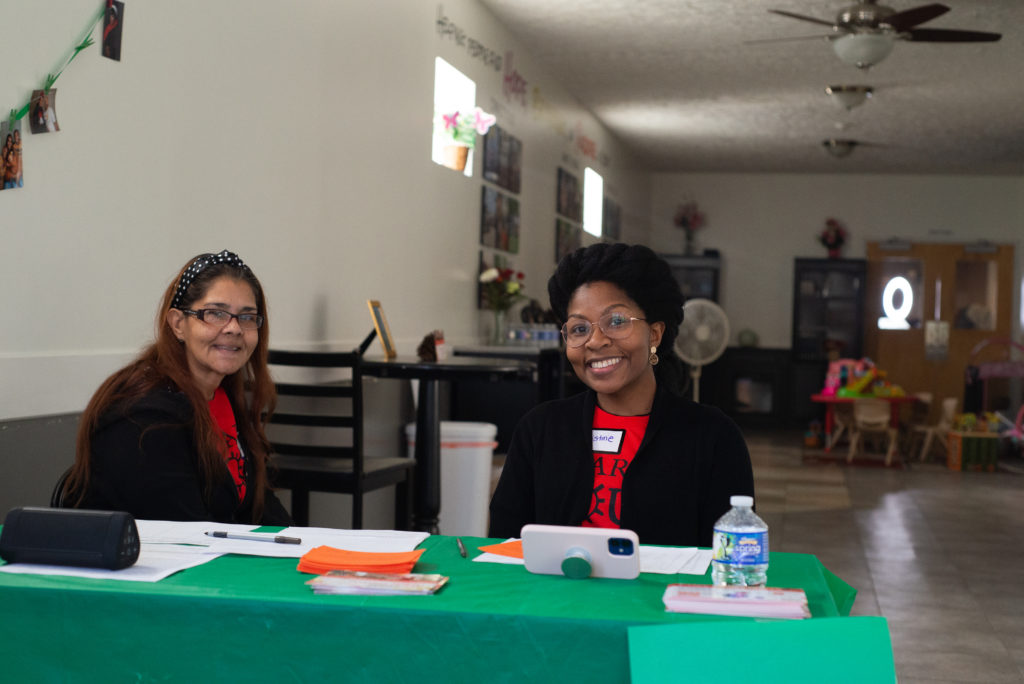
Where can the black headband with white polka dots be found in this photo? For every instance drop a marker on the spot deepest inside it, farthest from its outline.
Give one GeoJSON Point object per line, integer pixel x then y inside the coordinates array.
{"type": "Point", "coordinates": [197, 265]}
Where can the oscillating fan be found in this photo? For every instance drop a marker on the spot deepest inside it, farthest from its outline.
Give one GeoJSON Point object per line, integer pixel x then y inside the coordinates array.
{"type": "Point", "coordinates": [702, 338]}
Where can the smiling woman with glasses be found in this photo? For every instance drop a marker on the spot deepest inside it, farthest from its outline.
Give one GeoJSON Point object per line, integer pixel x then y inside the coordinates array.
{"type": "Point", "coordinates": [631, 451]}
{"type": "Point", "coordinates": [178, 434]}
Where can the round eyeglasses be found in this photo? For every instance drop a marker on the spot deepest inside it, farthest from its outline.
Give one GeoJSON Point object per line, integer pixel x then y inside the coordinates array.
{"type": "Point", "coordinates": [614, 325]}
{"type": "Point", "coordinates": [220, 318]}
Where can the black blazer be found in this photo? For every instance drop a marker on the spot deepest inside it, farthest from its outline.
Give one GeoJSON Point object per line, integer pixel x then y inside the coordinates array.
{"type": "Point", "coordinates": [691, 460]}
{"type": "Point", "coordinates": [144, 461]}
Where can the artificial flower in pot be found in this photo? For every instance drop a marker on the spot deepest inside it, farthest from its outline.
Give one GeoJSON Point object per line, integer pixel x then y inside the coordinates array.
{"type": "Point", "coordinates": [462, 128]}
{"type": "Point", "coordinates": [689, 219]}
{"type": "Point", "coordinates": [500, 289]}
{"type": "Point", "coordinates": [833, 237]}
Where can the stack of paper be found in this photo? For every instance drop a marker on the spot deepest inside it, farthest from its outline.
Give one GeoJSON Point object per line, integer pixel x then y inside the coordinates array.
{"type": "Point", "coordinates": [376, 583]}
{"type": "Point", "coordinates": [323, 559]}
{"type": "Point", "coordinates": [746, 601]}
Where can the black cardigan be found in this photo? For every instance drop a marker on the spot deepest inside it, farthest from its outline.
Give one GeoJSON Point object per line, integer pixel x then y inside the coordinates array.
{"type": "Point", "coordinates": [144, 461]}
{"type": "Point", "coordinates": [691, 460]}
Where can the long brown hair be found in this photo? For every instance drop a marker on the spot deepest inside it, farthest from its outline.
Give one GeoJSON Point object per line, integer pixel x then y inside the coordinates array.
{"type": "Point", "coordinates": [164, 364]}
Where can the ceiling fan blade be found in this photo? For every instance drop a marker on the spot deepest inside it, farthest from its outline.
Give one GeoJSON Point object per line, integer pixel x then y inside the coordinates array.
{"type": "Point", "coordinates": [950, 36]}
{"type": "Point", "coordinates": [802, 17]}
{"type": "Point", "coordinates": [908, 19]}
{"type": "Point", "coordinates": [785, 40]}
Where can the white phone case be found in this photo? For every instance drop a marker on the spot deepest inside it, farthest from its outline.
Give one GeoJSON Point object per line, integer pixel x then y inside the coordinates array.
{"type": "Point", "coordinates": [610, 552]}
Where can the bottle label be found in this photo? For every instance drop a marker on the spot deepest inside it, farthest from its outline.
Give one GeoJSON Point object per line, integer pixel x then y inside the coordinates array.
{"type": "Point", "coordinates": [740, 548]}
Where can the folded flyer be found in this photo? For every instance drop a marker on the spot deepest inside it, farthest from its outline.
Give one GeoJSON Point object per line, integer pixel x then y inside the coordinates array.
{"type": "Point", "coordinates": [742, 601]}
{"type": "Point", "coordinates": [376, 583]}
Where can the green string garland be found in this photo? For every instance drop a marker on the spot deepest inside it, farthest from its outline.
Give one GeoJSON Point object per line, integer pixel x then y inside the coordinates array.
{"type": "Point", "coordinates": [85, 42]}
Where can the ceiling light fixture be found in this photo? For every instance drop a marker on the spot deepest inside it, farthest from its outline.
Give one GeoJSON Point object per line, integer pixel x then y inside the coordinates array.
{"type": "Point", "coordinates": [864, 49]}
{"type": "Point", "coordinates": [839, 147]}
{"type": "Point", "coordinates": [849, 96]}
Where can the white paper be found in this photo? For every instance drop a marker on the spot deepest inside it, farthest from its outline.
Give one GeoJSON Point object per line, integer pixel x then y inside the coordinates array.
{"type": "Point", "coordinates": [671, 560]}
{"type": "Point", "coordinates": [156, 561]}
{"type": "Point", "coordinates": [378, 541]}
{"type": "Point", "coordinates": [178, 532]}
{"type": "Point", "coordinates": [666, 560]}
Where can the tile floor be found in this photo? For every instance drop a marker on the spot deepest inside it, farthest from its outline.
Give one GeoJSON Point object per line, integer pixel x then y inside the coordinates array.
{"type": "Point", "coordinates": [939, 553]}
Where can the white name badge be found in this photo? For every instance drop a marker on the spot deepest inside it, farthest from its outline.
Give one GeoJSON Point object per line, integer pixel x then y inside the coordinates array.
{"type": "Point", "coordinates": [608, 441]}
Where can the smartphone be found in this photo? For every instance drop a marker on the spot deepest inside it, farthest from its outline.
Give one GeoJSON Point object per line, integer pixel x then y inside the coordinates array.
{"type": "Point", "coordinates": [580, 552]}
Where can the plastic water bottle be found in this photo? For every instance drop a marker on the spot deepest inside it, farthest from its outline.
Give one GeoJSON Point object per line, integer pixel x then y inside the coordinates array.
{"type": "Point", "coordinates": [740, 547]}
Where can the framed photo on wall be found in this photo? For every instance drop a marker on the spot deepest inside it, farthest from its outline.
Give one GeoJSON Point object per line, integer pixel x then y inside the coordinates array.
{"type": "Point", "coordinates": [568, 238]}
{"type": "Point", "coordinates": [569, 202]}
{"type": "Point", "coordinates": [503, 159]}
{"type": "Point", "coordinates": [380, 324]}
{"type": "Point", "coordinates": [611, 220]}
{"type": "Point", "coordinates": [499, 220]}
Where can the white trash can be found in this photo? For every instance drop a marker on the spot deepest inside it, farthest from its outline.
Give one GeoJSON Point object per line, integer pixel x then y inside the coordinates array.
{"type": "Point", "coordinates": [467, 452]}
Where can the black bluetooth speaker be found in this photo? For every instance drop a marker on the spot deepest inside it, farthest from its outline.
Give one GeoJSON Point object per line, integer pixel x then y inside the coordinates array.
{"type": "Point", "coordinates": [68, 536]}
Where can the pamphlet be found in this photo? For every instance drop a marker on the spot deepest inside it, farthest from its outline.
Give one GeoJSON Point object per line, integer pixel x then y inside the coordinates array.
{"type": "Point", "coordinates": [745, 601]}
{"type": "Point", "coordinates": [376, 583]}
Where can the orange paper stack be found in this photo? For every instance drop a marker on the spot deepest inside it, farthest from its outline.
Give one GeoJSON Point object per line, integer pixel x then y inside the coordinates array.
{"type": "Point", "coordinates": [323, 559]}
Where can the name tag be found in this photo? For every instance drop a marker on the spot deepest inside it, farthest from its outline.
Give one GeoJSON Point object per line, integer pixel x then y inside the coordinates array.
{"type": "Point", "coordinates": [608, 441]}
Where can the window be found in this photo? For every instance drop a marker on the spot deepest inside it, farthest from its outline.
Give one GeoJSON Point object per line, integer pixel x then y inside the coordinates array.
{"type": "Point", "coordinates": [454, 92]}
{"type": "Point", "coordinates": [975, 295]}
{"type": "Point", "coordinates": [593, 201]}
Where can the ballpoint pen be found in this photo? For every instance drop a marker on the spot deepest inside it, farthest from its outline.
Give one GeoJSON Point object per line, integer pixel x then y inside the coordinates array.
{"type": "Point", "coordinates": [277, 539]}
{"type": "Point", "coordinates": [462, 547]}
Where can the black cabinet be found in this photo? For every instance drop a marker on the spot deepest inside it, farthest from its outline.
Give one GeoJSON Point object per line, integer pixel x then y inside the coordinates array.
{"type": "Point", "coordinates": [697, 275]}
{"type": "Point", "coordinates": [828, 308]}
{"type": "Point", "coordinates": [828, 315]}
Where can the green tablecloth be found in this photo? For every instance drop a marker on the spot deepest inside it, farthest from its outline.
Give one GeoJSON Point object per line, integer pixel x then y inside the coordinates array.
{"type": "Point", "coordinates": [244, 616]}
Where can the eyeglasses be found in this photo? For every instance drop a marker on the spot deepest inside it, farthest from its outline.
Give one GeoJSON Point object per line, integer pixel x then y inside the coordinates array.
{"type": "Point", "coordinates": [614, 325]}
{"type": "Point", "coordinates": [220, 318]}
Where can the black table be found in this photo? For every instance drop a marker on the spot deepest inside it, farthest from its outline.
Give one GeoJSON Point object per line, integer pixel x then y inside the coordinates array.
{"type": "Point", "coordinates": [427, 485]}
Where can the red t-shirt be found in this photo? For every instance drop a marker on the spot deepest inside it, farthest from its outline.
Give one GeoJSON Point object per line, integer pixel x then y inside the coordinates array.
{"type": "Point", "coordinates": [224, 417]}
{"type": "Point", "coordinates": [616, 439]}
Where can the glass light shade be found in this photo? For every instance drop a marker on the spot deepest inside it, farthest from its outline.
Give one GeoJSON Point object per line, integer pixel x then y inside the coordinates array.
{"type": "Point", "coordinates": [863, 50]}
{"type": "Point", "coordinates": [839, 148]}
{"type": "Point", "coordinates": [849, 96]}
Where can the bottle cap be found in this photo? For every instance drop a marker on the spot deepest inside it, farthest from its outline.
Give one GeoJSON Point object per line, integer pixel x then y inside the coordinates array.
{"type": "Point", "coordinates": [740, 500]}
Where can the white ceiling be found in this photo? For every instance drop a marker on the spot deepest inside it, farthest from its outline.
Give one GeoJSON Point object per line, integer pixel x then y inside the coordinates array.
{"type": "Point", "coordinates": [677, 83]}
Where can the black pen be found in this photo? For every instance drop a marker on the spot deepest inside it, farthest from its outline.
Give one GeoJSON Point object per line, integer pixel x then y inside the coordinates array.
{"type": "Point", "coordinates": [462, 547]}
{"type": "Point", "coordinates": [277, 539]}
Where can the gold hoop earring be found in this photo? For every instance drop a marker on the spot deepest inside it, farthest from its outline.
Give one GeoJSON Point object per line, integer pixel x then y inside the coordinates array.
{"type": "Point", "coordinates": [654, 356]}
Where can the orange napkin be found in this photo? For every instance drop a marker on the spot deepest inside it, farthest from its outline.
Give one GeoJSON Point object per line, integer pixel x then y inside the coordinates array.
{"type": "Point", "coordinates": [325, 558]}
{"type": "Point", "coordinates": [512, 549]}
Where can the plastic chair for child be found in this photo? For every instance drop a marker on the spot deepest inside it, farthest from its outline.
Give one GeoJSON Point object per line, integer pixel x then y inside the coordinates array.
{"type": "Point", "coordinates": [940, 429]}
{"type": "Point", "coordinates": [920, 410]}
{"type": "Point", "coordinates": [871, 417]}
{"type": "Point", "coordinates": [842, 421]}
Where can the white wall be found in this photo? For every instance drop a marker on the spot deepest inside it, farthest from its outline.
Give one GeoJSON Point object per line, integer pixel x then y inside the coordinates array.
{"type": "Point", "coordinates": [761, 222]}
{"type": "Point", "coordinates": [298, 135]}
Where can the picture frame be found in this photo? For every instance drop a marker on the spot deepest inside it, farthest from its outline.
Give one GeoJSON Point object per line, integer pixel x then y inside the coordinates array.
{"type": "Point", "coordinates": [380, 324]}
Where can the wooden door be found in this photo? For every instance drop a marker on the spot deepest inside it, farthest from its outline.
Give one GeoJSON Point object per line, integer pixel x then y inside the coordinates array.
{"type": "Point", "coordinates": [962, 285]}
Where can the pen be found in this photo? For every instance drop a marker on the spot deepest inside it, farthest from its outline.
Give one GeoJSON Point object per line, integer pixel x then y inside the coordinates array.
{"type": "Point", "coordinates": [462, 547]}
{"type": "Point", "coordinates": [254, 537]}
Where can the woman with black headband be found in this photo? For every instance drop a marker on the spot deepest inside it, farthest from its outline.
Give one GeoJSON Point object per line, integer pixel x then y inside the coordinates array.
{"type": "Point", "coordinates": [630, 452]}
{"type": "Point", "coordinates": [178, 433]}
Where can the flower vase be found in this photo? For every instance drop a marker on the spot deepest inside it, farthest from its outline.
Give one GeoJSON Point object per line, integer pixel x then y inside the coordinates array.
{"type": "Point", "coordinates": [833, 252]}
{"type": "Point", "coordinates": [455, 157]}
{"type": "Point", "coordinates": [499, 329]}
{"type": "Point", "coordinates": [688, 247]}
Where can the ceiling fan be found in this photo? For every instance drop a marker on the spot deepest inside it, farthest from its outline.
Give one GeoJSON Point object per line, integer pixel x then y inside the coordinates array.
{"type": "Point", "coordinates": [863, 34]}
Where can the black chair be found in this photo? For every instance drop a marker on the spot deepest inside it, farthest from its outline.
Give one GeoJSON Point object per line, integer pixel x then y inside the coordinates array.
{"type": "Point", "coordinates": [307, 435]}
{"type": "Point", "coordinates": [58, 494]}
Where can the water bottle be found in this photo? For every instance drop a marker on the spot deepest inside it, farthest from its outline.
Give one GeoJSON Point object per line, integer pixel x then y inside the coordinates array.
{"type": "Point", "coordinates": [740, 547]}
